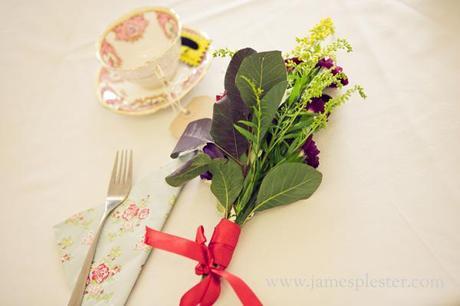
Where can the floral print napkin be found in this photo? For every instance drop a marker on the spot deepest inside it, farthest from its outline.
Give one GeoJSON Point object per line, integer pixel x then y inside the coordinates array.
{"type": "Point", "coordinates": [121, 251]}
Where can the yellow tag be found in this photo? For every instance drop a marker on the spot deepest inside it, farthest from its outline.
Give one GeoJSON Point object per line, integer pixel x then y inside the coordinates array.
{"type": "Point", "coordinates": [194, 47]}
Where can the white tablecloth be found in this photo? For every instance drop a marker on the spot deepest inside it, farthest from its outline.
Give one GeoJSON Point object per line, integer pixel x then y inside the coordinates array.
{"type": "Point", "coordinates": [387, 211]}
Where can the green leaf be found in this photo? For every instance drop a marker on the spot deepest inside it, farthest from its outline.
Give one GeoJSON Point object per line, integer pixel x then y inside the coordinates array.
{"type": "Point", "coordinates": [265, 69]}
{"type": "Point", "coordinates": [244, 132]}
{"type": "Point", "coordinates": [248, 123]}
{"type": "Point", "coordinates": [191, 169]}
{"type": "Point", "coordinates": [295, 93]}
{"type": "Point", "coordinates": [300, 82]}
{"type": "Point", "coordinates": [269, 106]}
{"type": "Point", "coordinates": [305, 121]}
{"type": "Point", "coordinates": [290, 136]}
{"type": "Point", "coordinates": [287, 183]}
{"type": "Point", "coordinates": [230, 75]}
{"type": "Point", "coordinates": [227, 181]}
{"type": "Point", "coordinates": [244, 159]}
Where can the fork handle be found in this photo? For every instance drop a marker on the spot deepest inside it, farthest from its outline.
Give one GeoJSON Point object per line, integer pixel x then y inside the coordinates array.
{"type": "Point", "coordinates": [80, 285]}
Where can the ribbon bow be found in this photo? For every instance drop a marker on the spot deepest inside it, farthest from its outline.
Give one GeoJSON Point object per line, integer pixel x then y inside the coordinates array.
{"type": "Point", "coordinates": [212, 260]}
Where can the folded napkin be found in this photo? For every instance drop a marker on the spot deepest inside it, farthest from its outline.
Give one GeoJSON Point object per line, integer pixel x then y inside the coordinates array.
{"type": "Point", "coordinates": [121, 251]}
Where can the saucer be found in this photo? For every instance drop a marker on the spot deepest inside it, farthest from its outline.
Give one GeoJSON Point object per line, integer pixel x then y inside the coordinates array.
{"type": "Point", "coordinates": [127, 98]}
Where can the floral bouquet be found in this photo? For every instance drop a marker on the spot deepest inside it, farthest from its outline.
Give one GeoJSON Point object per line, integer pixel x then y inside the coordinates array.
{"type": "Point", "coordinates": [258, 148]}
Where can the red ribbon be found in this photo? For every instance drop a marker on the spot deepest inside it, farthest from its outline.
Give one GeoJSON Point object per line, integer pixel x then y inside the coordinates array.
{"type": "Point", "coordinates": [212, 261]}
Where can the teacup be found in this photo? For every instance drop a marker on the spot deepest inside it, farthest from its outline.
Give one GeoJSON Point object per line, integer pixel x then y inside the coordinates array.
{"type": "Point", "coordinates": [143, 46]}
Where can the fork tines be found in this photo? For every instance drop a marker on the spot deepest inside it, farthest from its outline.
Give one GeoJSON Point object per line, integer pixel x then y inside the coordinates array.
{"type": "Point", "coordinates": [123, 167]}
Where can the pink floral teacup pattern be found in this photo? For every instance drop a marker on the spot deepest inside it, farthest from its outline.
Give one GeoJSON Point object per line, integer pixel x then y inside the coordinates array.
{"type": "Point", "coordinates": [168, 24]}
{"type": "Point", "coordinates": [109, 54]}
{"type": "Point", "coordinates": [138, 42]}
{"type": "Point", "coordinates": [132, 29]}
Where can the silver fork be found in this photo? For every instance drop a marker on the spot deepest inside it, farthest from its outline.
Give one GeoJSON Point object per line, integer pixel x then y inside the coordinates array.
{"type": "Point", "coordinates": [119, 187]}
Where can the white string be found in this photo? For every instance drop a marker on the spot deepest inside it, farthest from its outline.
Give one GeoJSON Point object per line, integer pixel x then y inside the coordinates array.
{"type": "Point", "coordinates": [175, 103]}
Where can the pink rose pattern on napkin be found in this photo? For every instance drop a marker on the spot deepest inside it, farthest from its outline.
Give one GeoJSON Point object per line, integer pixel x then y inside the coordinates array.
{"type": "Point", "coordinates": [121, 250]}
{"type": "Point", "coordinates": [100, 273]}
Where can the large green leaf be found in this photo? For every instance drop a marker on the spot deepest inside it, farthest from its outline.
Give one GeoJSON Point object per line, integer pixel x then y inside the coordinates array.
{"type": "Point", "coordinates": [191, 169]}
{"type": "Point", "coordinates": [227, 181]}
{"type": "Point", "coordinates": [269, 105]}
{"type": "Point", "coordinates": [287, 183]}
{"type": "Point", "coordinates": [230, 76]}
{"type": "Point", "coordinates": [264, 69]}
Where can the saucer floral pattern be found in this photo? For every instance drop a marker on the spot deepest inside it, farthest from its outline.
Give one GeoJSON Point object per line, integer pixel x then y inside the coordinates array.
{"type": "Point", "coordinates": [121, 96]}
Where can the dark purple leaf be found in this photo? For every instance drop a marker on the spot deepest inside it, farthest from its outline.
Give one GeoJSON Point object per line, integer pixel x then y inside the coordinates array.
{"type": "Point", "coordinates": [196, 134]}
{"type": "Point", "coordinates": [230, 76]}
{"type": "Point", "coordinates": [230, 109]}
{"type": "Point", "coordinates": [226, 113]}
{"type": "Point", "coordinates": [213, 151]}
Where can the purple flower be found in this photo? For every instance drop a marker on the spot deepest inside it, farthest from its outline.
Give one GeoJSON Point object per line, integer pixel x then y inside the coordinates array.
{"type": "Point", "coordinates": [214, 152]}
{"type": "Point", "coordinates": [316, 105]}
{"type": "Point", "coordinates": [337, 70]}
{"type": "Point", "coordinates": [326, 62]}
{"type": "Point", "coordinates": [206, 176]}
{"type": "Point", "coordinates": [294, 60]}
{"type": "Point", "coordinates": [310, 152]}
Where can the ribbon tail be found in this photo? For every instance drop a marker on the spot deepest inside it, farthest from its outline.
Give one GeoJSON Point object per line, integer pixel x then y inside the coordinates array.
{"type": "Point", "coordinates": [244, 293]}
{"type": "Point", "coordinates": [174, 244]}
{"type": "Point", "coordinates": [205, 293]}
{"type": "Point", "coordinates": [213, 292]}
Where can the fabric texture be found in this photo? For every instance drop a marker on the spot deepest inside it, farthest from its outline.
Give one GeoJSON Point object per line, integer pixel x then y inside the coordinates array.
{"type": "Point", "coordinates": [121, 251]}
